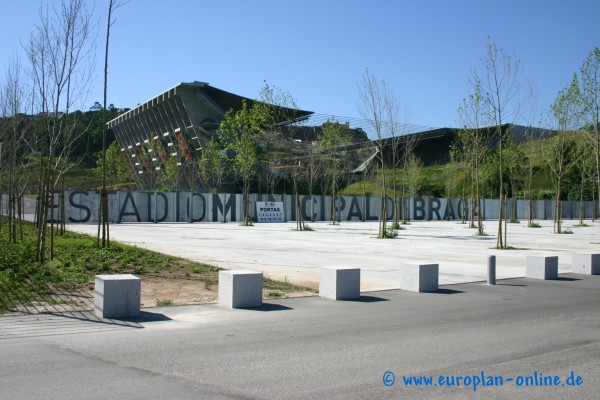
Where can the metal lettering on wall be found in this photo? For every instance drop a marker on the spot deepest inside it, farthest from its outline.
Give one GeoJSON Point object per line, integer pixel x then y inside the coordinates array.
{"type": "Point", "coordinates": [82, 207]}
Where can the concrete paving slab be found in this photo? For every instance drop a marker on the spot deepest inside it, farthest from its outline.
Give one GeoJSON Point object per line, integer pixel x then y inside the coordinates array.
{"type": "Point", "coordinates": [281, 252]}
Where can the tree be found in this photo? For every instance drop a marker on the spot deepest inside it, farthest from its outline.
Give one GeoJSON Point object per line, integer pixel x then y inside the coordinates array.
{"type": "Point", "coordinates": [516, 169]}
{"type": "Point", "coordinates": [14, 129]}
{"type": "Point", "coordinates": [590, 93]}
{"type": "Point", "coordinates": [530, 172]}
{"type": "Point", "coordinates": [169, 177]}
{"type": "Point", "coordinates": [459, 168]}
{"type": "Point", "coordinates": [213, 165]}
{"type": "Point", "coordinates": [103, 223]}
{"type": "Point", "coordinates": [474, 142]}
{"type": "Point", "coordinates": [239, 131]}
{"type": "Point", "coordinates": [333, 138]}
{"type": "Point", "coordinates": [311, 172]}
{"type": "Point", "coordinates": [408, 144]}
{"type": "Point", "coordinates": [376, 102]}
{"type": "Point", "coordinates": [566, 111]}
{"type": "Point", "coordinates": [413, 175]}
{"type": "Point", "coordinates": [96, 107]}
{"type": "Point", "coordinates": [274, 113]}
{"type": "Point", "coordinates": [501, 78]}
{"type": "Point", "coordinates": [113, 164]}
{"type": "Point", "coordinates": [584, 166]}
{"type": "Point", "coordinates": [60, 52]}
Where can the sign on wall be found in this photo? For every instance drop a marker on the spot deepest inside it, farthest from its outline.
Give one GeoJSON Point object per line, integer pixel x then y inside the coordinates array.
{"type": "Point", "coordinates": [269, 211]}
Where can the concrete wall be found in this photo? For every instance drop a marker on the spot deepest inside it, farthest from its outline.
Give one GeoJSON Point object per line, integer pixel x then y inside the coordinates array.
{"type": "Point", "coordinates": [82, 207]}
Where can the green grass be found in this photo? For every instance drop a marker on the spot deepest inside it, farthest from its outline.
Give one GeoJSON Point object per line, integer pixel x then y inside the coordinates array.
{"type": "Point", "coordinates": [77, 260]}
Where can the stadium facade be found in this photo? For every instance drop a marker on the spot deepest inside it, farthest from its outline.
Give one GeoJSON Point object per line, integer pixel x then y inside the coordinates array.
{"type": "Point", "coordinates": [173, 127]}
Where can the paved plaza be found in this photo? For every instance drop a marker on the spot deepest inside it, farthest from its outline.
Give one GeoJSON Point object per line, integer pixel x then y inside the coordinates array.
{"type": "Point", "coordinates": [286, 254]}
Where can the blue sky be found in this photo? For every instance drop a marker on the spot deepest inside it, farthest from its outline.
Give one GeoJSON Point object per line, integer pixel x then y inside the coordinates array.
{"type": "Point", "coordinates": [318, 50]}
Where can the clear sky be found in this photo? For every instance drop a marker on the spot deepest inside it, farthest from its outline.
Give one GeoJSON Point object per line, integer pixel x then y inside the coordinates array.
{"type": "Point", "coordinates": [318, 49]}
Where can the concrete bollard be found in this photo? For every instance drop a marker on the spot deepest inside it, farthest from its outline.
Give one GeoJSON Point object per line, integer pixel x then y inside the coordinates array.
{"type": "Point", "coordinates": [542, 267]}
{"type": "Point", "coordinates": [491, 270]}
{"type": "Point", "coordinates": [240, 289]}
{"type": "Point", "coordinates": [117, 296]}
{"type": "Point", "coordinates": [339, 283]}
{"type": "Point", "coordinates": [585, 263]}
{"type": "Point", "coordinates": [419, 277]}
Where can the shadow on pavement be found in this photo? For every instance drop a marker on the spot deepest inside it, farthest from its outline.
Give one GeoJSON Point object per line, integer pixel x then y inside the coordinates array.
{"type": "Point", "coordinates": [267, 307]}
{"type": "Point", "coordinates": [447, 291]}
{"type": "Point", "coordinates": [367, 299]}
{"type": "Point", "coordinates": [566, 279]}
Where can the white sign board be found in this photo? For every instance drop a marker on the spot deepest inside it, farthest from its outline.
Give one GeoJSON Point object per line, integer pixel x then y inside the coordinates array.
{"type": "Point", "coordinates": [269, 211]}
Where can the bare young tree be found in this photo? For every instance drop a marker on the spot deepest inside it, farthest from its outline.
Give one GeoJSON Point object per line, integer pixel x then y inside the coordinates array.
{"type": "Point", "coordinates": [585, 166]}
{"type": "Point", "coordinates": [530, 173]}
{"type": "Point", "coordinates": [333, 139]}
{"type": "Point", "coordinates": [407, 145]}
{"type": "Point", "coordinates": [474, 142]}
{"type": "Point", "coordinates": [103, 222]}
{"type": "Point", "coordinates": [275, 111]}
{"type": "Point", "coordinates": [501, 81]}
{"type": "Point", "coordinates": [377, 102]}
{"type": "Point", "coordinates": [13, 132]}
{"type": "Point", "coordinates": [312, 173]}
{"type": "Point", "coordinates": [60, 52]}
{"type": "Point", "coordinates": [590, 93]}
{"type": "Point", "coordinates": [566, 111]}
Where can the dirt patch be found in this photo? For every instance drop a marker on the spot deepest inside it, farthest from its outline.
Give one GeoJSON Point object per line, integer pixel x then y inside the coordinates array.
{"type": "Point", "coordinates": [179, 285]}
{"type": "Point", "coordinates": [161, 290]}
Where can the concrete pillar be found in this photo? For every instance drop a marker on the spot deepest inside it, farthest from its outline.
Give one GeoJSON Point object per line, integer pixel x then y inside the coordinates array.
{"type": "Point", "coordinates": [419, 277]}
{"type": "Point", "coordinates": [491, 270]}
{"type": "Point", "coordinates": [541, 267]}
{"type": "Point", "coordinates": [585, 263]}
{"type": "Point", "coordinates": [339, 283]}
{"type": "Point", "coordinates": [117, 296]}
{"type": "Point", "coordinates": [240, 289]}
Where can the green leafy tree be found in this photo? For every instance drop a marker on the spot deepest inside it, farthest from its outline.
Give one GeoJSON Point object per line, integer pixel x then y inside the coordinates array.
{"type": "Point", "coordinates": [240, 131]}
{"type": "Point", "coordinates": [168, 179]}
{"type": "Point", "coordinates": [115, 164]}
{"type": "Point", "coordinates": [213, 165]}
{"type": "Point", "coordinates": [414, 175]}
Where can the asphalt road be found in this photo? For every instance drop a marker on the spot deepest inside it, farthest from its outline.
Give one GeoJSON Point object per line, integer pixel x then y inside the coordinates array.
{"type": "Point", "coordinates": [315, 348]}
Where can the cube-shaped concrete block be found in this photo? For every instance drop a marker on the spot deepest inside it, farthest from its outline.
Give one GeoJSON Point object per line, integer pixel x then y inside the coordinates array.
{"type": "Point", "coordinates": [117, 296]}
{"type": "Point", "coordinates": [419, 277]}
{"type": "Point", "coordinates": [339, 283]}
{"type": "Point", "coordinates": [240, 289]}
{"type": "Point", "coordinates": [588, 264]}
{"type": "Point", "coordinates": [541, 267]}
